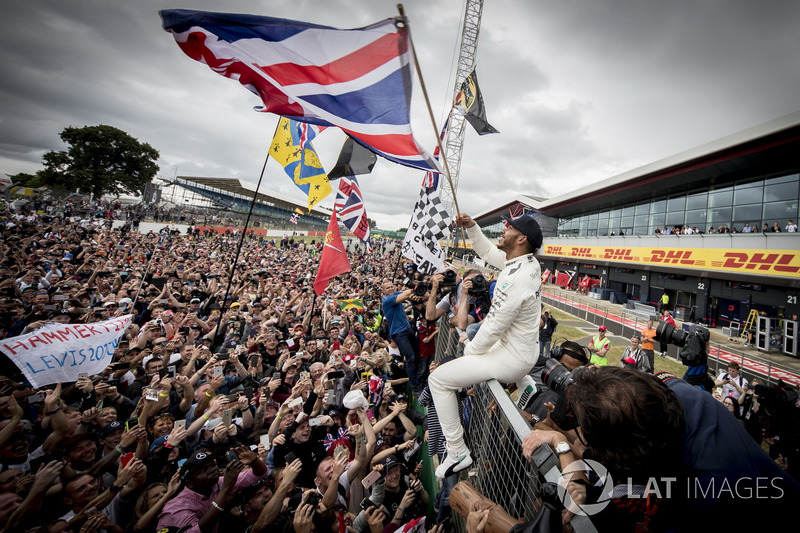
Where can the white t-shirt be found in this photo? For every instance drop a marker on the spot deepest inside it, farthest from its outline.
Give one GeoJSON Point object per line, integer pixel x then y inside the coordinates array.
{"type": "Point", "coordinates": [730, 390]}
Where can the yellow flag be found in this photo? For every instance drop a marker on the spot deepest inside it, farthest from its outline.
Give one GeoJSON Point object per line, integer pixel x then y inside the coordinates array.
{"type": "Point", "coordinates": [292, 148]}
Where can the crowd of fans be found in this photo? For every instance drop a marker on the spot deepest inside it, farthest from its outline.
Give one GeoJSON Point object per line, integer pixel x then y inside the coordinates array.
{"type": "Point", "coordinates": [272, 410]}
{"type": "Point", "coordinates": [247, 402]}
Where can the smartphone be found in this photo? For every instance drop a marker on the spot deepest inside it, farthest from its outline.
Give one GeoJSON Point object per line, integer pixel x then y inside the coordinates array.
{"type": "Point", "coordinates": [131, 423]}
{"type": "Point", "coordinates": [49, 307]}
{"type": "Point", "coordinates": [180, 424]}
{"type": "Point", "coordinates": [151, 395]}
{"type": "Point", "coordinates": [340, 451]}
{"type": "Point", "coordinates": [231, 456]}
{"type": "Point", "coordinates": [366, 503]}
{"type": "Point", "coordinates": [35, 398]}
{"type": "Point", "coordinates": [163, 373]}
{"type": "Point", "coordinates": [120, 366]}
{"type": "Point", "coordinates": [332, 359]}
{"type": "Point", "coordinates": [223, 356]}
{"type": "Point", "coordinates": [304, 375]}
{"type": "Point", "coordinates": [409, 453]}
{"type": "Point", "coordinates": [336, 374]}
{"type": "Point", "coordinates": [276, 375]}
{"type": "Point", "coordinates": [295, 403]}
{"type": "Point", "coordinates": [248, 392]}
{"type": "Point", "coordinates": [315, 421]}
{"type": "Point", "coordinates": [227, 417]}
{"type": "Point", "coordinates": [126, 458]}
{"type": "Point", "coordinates": [60, 297]}
{"type": "Point", "coordinates": [217, 371]}
{"type": "Point", "coordinates": [264, 440]}
{"type": "Point", "coordinates": [163, 301]}
{"type": "Point", "coordinates": [253, 361]}
{"type": "Point", "coordinates": [330, 397]}
{"type": "Point", "coordinates": [370, 480]}
{"type": "Point", "coordinates": [83, 375]}
{"type": "Point", "coordinates": [172, 370]}
{"type": "Point", "coordinates": [290, 458]}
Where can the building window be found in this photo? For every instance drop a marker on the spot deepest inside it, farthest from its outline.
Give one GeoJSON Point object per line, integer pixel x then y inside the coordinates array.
{"type": "Point", "coordinates": [721, 198]}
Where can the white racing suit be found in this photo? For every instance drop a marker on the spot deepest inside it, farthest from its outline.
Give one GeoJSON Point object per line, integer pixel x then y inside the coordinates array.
{"type": "Point", "coordinates": [506, 346]}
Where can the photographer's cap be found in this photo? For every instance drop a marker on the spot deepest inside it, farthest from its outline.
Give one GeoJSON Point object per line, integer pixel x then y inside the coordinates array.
{"type": "Point", "coordinates": [528, 227]}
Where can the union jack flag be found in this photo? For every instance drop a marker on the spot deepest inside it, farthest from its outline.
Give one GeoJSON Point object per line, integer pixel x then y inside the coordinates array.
{"type": "Point", "coordinates": [342, 438]}
{"type": "Point", "coordinates": [350, 207]}
{"type": "Point", "coordinates": [358, 79]}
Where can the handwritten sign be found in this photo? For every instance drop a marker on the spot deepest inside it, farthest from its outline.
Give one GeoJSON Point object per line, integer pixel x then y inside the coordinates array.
{"type": "Point", "coordinates": [59, 352]}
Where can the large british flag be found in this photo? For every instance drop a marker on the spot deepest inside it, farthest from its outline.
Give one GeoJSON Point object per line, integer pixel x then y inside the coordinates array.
{"type": "Point", "coordinates": [358, 79]}
{"type": "Point", "coordinates": [351, 209]}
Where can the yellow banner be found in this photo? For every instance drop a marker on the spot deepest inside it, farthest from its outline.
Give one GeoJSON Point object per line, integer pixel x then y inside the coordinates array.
{"type": "Point", "coordinates": [784, 263]}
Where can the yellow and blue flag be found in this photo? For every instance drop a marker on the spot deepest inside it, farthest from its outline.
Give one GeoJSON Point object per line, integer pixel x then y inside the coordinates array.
{"type": "Point", "coordinates": [292, 148]}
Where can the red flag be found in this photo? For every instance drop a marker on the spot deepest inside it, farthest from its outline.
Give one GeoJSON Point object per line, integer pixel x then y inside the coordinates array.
{"type": "Point", "coordinates": [333, 260]}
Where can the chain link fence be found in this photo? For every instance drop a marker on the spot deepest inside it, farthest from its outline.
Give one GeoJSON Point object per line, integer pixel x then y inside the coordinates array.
{"type": "Point", "coordinates": [494, 433]}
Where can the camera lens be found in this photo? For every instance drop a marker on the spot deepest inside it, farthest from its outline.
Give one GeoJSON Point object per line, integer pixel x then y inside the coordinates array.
{"type": "Point", "coordinates": [556, 376]}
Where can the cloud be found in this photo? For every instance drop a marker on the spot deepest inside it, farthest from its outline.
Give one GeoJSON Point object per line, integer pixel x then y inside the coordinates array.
{"type": "Point", "coordinates": [579, 91]}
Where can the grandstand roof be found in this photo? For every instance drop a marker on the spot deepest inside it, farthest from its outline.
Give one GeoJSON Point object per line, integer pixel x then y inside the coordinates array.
{"type": "Point", "coordinates": [234, 186]}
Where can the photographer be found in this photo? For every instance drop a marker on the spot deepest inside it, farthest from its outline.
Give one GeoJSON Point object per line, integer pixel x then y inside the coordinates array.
{"type": "Point", "coordinates": [450, 302]}
{"type": "Point", "coordinates": [566, 357]}
{"type": "Point", "coordinates": [546, 329]}
{"type": "Point", "coordinates": [470, 317]}
{"type": "Point", "coordinates": [652, 434]}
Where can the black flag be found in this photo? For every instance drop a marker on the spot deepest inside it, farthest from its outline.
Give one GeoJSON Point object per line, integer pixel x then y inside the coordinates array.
{"type": "Point", "coordinates": [469, 101]}
{"type": "Point", "coordinates": [354, 160]}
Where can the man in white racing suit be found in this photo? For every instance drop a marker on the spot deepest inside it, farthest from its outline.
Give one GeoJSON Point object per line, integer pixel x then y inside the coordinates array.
{"type": "Point", "coordinates": [507, 344]}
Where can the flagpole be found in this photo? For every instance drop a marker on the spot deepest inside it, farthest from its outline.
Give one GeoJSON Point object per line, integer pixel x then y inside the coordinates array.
{"type": "Point", "coordinates": [225, 305]}
{"type": "Point", "coordinates": [433, 120]}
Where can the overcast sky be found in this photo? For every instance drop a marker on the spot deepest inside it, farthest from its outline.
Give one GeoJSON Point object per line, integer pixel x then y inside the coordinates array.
{"type": "Point", "coordinates": [580, 90]}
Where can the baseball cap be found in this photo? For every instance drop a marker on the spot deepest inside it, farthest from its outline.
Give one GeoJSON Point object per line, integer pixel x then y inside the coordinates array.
{"type": "Point", "coordinates": [528, 227]}
{"type": "Point", "coordinates": [235, 304]}
{"type": "Point", "coordinates": [194, 301]}
{"type": "Point", "coordinates": [390, 462]}
{"type": "Point", "coordinates": [158, 442]}
{"type": "Point", "coordinates": [111, 427]}
{"type": "Point", "coordinates": [195, 461]}
{"type": "Point", "coordinates": [602, 328]}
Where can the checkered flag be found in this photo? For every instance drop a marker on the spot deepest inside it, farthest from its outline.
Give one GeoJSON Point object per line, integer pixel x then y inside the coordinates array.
{"type": "Point", "coordinates": [429, 213]}
{"type": "Point", "coordinates": [430, 223]}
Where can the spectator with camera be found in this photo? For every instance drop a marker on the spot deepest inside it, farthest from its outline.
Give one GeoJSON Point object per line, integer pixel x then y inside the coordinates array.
{"type": "Point", "coordinates": [733, 383]}
{"type": "Point", "coordinates": [400, 331]}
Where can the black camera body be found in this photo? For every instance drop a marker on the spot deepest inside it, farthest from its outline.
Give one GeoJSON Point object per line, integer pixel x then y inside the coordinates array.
{"type": "Point", "coordinates": [558, 379]}
{"type": "Point", "coordinates": [479, 286]}
{"type": "Point", "coordinates": [450, 279]}
{"type": "Point", "coordinates": [693, 342]}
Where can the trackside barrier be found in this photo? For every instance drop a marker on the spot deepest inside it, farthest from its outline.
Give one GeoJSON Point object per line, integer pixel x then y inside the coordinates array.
{"type": "Point", "coordinates": [494, 435]}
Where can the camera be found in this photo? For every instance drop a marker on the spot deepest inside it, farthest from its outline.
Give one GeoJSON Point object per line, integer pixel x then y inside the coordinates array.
{"type": "Point", "coordinates": [422, 288]}
{"type": "Point", "coordinates": [693, 342]}
{"type": "Point", "coordinates": [479, 286]}
{"type": "Point", "coordinates": [450, 278]}
{"type": "Point", "coordinates": [556, 376]}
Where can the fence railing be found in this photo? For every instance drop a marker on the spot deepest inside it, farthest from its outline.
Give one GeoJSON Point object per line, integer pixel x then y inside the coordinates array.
{"type": "Point", "coordinates": [494, 434]}
{"type": "Point", "coordinates": [627, 324]}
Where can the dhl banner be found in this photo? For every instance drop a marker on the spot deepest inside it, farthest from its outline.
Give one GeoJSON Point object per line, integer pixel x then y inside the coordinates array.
{"type": "Point", "coordinates": [784, 263]}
